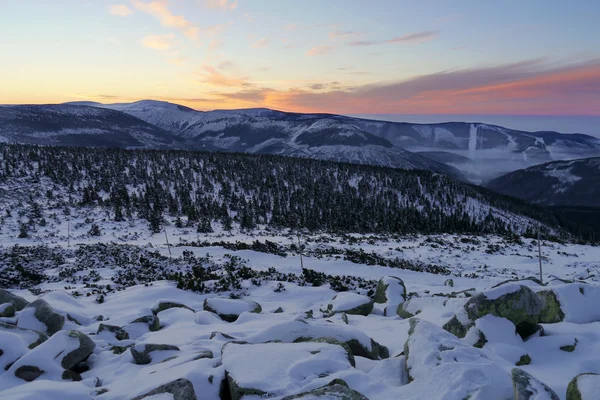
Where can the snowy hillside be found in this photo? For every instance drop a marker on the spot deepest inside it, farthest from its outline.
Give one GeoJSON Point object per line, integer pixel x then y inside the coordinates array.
{"type": "Point", "coordinates": [80, 126]}
{"type": "Point", "coordinates": [490, 150]}
{"type": "Point", "coordinates": [563, 183]}
{"type": "Point", "coordinates": [138, 274]}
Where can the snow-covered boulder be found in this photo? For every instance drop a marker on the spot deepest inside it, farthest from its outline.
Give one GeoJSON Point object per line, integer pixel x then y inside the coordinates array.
{"type": "Point", "coordinates": [280, 369]}
{"type": "Point", "coordinates": [30, 337]}
{"type": "Point", "coordinates": [54, 358]}
{"type": "Point", "coordinates": [142, 353]}
{"type": "Point", "coordinates": [336, 389]}
{"type": "Point", "coordinates": [112, 331]}
{"type": "Point", "coordinates": [349, 303]}
{"type": "Point", "coordinates": [571, 302]}
{"type": "Point", "coordinates": [84, 349]}
{"type": "Point", "coordinates": [443, 366]}
{"type": "Point", "coordinates": [230, 309]}
{"type": "Point", "coordinates": [390, 291]}
{"type": "Point", "coordinates": [517, 303]}
{"type": "Point", "coordinates": [298, 331]}
{"type": "Point", "coordinates": [180, 389]}
{"type": "Point", "coordinates": [7, 310]}
{"type": "Point", "coordinates": [18, 302]}
{"type": "Point", "coordinates": [40, 316]}
{"type": "Point", "coordinates": [526, 387]}
{"type": "Point", "coordinates": [152, 321]}
{"type": "Point", "coordinates": [166, 304]}
{"type": "Point", "coordinates": [584, 387]}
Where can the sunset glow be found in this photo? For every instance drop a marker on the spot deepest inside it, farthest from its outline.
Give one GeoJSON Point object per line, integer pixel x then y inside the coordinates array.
{"type": "Point", "coordinates": [391, 56]}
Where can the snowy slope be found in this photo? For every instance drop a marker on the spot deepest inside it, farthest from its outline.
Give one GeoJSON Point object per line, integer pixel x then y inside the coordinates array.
{"type": "Point", "coordinates": [564, 183]}
{"type": "Point", "coordinates": [75, 125]}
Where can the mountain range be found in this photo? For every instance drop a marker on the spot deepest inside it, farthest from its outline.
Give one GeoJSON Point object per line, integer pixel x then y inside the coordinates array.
{"type": "Point", "coordinates": [470, 151]}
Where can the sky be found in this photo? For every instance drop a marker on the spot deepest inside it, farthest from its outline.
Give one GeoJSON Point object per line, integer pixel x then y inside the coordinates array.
{"type": "Point", "coordinates": [529, 57]}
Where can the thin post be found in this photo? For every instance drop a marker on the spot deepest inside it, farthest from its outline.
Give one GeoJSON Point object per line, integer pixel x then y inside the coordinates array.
{"type": "Point", "coordinates": [540, 252]}
{"type": "Point", "coordinates": [167, 238]}
{"type": "Point", "coordinates": [300, 248]}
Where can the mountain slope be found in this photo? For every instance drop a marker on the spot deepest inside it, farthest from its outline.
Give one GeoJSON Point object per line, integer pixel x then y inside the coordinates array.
{"type": "Point", "coordinates": [262, 189]}
{"type": "Point", "coordinates": [492, 150]}
{"type": "Point", "coordinates": [72, 125]}
{"type": "Point", "coordinates": [559, 183]}
{"type": "Point", "coordinates": [153, 124]}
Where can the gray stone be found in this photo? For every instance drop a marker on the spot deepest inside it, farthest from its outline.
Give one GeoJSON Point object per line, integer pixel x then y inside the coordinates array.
{"type": "Point", "coordinates": [152, 321]}
{"type": "Point", "coordinates": [165, 305]}
{"type": "Point", "coordinates": [120, 333]}
{"type": "Point", "coordinates": [181, 389]}
{"type": "Point", "coordinates": [143, 357]}
{"type": "Point", "coordinates": [80, 354]}
{"type": "Point", "coordinates": [527, 387]}
{"type": "Point", "coordinates": [44, 313]}
{"type": "Point", "coordinates": [26, 333]}
{"type": "Point", "coordinates": [28, 373]}
{"type": "Point", "coordinates": [337, 389]}
{"type": "Point", "coordinates": [210, 306]}
{"type": "Point", "coordinates": [522, 307]}
{"type": "Point", "coordinates": [7, 310]}
{"type": "Point", "coordinates": [8, 297]}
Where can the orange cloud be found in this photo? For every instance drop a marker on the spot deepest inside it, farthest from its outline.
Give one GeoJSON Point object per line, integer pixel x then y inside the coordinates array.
{"type": "Point", "coordinates": [225, 5]}
{"type": "Point", "coordinates": [527, 87]}
{"type": "Point", "coordinates": [320, 50]}
{"type": "Point", "coordinates": [159, 42]}
{"type": "Point", "coordinates": [120, 10]}
{"type": "Point", "coordinates": [160, 10]}
{"type": "Point", "coordinates": [211, 76]}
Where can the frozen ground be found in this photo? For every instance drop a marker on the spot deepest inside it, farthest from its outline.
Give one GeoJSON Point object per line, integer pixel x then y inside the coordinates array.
{"type": "Point", "coordinates": [431, 363]}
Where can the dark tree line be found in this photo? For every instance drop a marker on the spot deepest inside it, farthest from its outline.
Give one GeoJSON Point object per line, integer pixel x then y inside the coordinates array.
{"type": "Point", "coordinates": [205, 188]}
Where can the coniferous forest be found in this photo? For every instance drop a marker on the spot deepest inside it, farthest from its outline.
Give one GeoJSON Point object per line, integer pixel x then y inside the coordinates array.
{"type": "Point", "coordinates": [199, 189]}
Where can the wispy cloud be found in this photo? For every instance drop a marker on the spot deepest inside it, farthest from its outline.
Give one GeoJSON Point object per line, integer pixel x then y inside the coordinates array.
{"type": "Point", "coordinates": [291, 27]}
{"type": "Point", "coordinates": [159, 42]}
{"type": "Point", "coordinates": [319, 50]}
{"type": "Point", "coordinates": [417, 37]}
{"type": "Point", "coordinates": [120, 10]}
{"type": "Point", "coordinates": [225, 5]}
{"type": "Point", "coordinates": [264, 42]}
{"type": "Point", "coordinates": [527, 87]}
{"type": "Point", "coordinates": [212, 76]}
{"type": "Point", "coordinates": [160, 10]}
{"type": "Point", "coordinates": [342, 34]}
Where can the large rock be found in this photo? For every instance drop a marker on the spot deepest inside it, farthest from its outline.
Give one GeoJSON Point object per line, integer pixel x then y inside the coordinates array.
{"type": "Point", "coordinates": [571, 302]}
{"type": "Point", "coordinates": [8, 297]}
{"type": "Point", "coordinates": [31, 337]}
{"type": "Point", "coordinates": [349, 303]}
{"type": "Point", "coordinates": [299, 331]}
{"type": "Point", "coordinates": [438, 362]}
{"type": "Point", "coordinates": [165, 305]}
{"type": "Point", "coordinates": [40, 316]}
{"type": "Point", "coordinates": [390, 291]}
{"type": "Point", "coordinates": [584, 387]}
{"type": "Point", "coordinates": [284, 368]}
{"type": "Point", "coordinates": [181, 389]}
{"type": "Point", "coordinates": [152, 321]}
{"type": "Point", "coordinates": [230, 309]}
{"type": "Point", "coordinates": [527, 387]}
{"type": "Point", "coordinates": [55, 358]}
{"type": "Point", "coordinates": [336, 389]}
{"type": "Point", "coordinates": [84, 349]}
{"type": "Point", "coordinates": [517, 303]}
{"type": "Point", "coordinates": [118, 332]}
{"type": "Point", "coordinates": [7, 310]}
{"type": "Point", "coordinates": [142, 353]}
{"type": "Point", "coordinates": [551, 311]}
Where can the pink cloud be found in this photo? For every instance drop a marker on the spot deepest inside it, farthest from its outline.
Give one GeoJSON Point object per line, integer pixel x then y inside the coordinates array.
{"type": "Point", "coordinates": [319, 50]}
